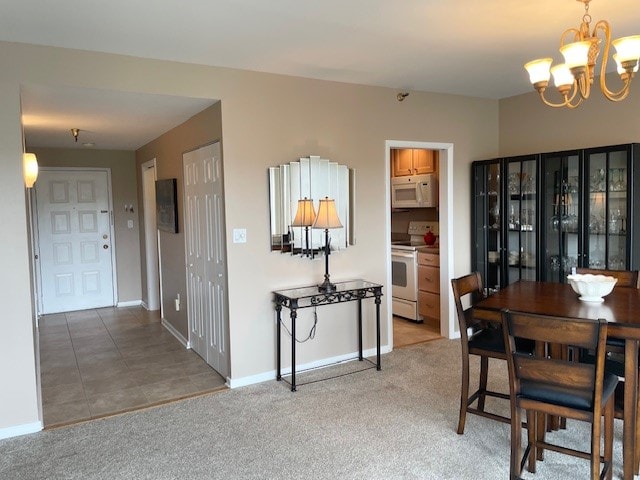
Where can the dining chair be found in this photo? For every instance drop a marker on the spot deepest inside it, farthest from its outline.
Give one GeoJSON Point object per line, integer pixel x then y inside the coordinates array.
{"type": "Point", "coordinates": [485, 341]}
{"type": "Point", "coordinates": [544, 386]}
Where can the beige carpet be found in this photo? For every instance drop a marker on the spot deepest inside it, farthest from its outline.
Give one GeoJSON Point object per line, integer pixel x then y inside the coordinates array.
{"type": "Point", "coordinates": [398, 423]}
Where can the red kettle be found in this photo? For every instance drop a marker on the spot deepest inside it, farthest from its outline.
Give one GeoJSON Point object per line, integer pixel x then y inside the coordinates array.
{"type": "Point", "coordinates": [429, 238]}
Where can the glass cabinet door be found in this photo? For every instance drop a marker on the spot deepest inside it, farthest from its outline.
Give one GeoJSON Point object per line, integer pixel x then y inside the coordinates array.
{"type": "Point", "coordinates": [487, 226]}
{"type": "Point", "coordinates": [608, 209]}
{"type": "Point", "coordinates": [521, 219]}
{"type": "Point", "coordinates": [562, 216]}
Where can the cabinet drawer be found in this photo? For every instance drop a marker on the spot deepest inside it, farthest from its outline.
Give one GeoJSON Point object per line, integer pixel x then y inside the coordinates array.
{"type": "Point", "coordinates": [430, 259]}
{"type": "Point", "coordinates": [429, 305]}
{"type": "Point", "coordinates": [429, 279]}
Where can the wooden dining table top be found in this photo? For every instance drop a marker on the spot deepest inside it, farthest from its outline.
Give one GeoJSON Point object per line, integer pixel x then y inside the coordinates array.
{"type": "Point", "coordinates": [620, 308]}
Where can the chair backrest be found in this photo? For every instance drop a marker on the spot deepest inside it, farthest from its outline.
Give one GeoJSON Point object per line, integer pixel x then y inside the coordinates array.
{"type": "Point", "coordinates": [583, 379]}
{"type": "Point", "coordinates": [626, 278]}
{"type": "Point", "coordinates": [469, 285]}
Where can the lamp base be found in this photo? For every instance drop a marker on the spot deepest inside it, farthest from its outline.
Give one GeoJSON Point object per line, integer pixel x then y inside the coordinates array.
{"type": "Point", "coordinates": [327, 287]}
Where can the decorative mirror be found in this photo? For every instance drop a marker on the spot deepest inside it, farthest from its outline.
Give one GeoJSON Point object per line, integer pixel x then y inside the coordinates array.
{"type": "Point", "coordinates": [310, 178]}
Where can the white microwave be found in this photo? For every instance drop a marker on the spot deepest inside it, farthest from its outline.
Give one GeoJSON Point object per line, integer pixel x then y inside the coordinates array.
{"type": "Point", "coordinates": [414, 191]}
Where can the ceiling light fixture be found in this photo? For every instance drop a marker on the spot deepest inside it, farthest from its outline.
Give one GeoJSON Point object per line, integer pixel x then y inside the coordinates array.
{"type": "Point", "coordinates": [75, 132]}
{"type": "Point", "coordinates": [574, 77]}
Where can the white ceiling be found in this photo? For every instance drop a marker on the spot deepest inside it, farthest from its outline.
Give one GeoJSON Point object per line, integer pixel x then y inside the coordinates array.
{"type": "Point", "coordinates": [467, 47]}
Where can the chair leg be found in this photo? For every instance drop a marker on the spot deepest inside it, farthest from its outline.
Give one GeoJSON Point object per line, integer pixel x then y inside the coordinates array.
{"type": "Point", "coordinates": [596, 437]}
{"type": "Point", "coordinates": [515, 467]}
{"type": "Point", "coordinates": [532, 417]}
{"type": "Point", "coordinates": [464, 394]}
{"type": "Point", "coordinates": [541, 430]}
{"type": "Point", "coordinates": [608, 436]}
{"type": "Point", "coordinates": [484, 368]}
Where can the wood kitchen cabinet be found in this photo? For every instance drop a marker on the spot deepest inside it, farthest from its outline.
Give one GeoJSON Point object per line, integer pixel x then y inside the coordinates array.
{"type": "Point", "coordinates": [412, 161]}
{"type": "Point", "coordinates": [429, 286]}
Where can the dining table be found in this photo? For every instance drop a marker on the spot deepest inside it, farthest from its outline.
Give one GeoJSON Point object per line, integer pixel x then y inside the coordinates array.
{"type": "Point", "coordinates": [621, 310]}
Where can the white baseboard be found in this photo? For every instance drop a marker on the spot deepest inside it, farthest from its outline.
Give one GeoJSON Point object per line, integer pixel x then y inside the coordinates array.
{"type": "Point", "coordinates": [130, 303]}
{"type": "Point", "coordinates": [20, 430]}
{"type": "Point", "coordinates": [325, 362]}
{"type": "Point", "coordinates": [175, 333]}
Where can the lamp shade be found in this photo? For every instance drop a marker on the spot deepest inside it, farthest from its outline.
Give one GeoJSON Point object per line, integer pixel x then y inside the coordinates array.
{"type": "Point", "coordinates": [620, 69]}
{"type": "Point", "coordinates": [576, 54]}
{"type": "Point", "coordinates": [29, 169]}
{"type": "Point", "coordinates": [562, 76]}
{"type": "Point", "coordinates": [539, 70]}
{"type": "Point", "coordinates": [327, 215]}
{"type": "Point", "coordinates": [306, 214]}
{"type": "Point", "coordinates": [627, 48]}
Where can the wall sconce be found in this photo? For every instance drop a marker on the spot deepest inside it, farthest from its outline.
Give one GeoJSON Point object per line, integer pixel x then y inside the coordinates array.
{"type": "Point", "coordinates": [327, 218]}
{"type": "Point", "coordinates": [305, 216]}
{"type": "Point", "coordinates": [75, 132]}
{"type": "Point", "coordinates": [29, 169]}
{"type": "Point", "coordinates": [402, 95]}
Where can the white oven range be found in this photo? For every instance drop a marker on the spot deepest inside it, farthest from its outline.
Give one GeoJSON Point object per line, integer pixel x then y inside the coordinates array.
{"type": "Point", "coordinates": [404, 270]}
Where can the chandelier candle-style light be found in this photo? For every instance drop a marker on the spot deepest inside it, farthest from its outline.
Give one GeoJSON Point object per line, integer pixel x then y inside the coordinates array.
{"type": "Point", "coordinates": [580, 48]}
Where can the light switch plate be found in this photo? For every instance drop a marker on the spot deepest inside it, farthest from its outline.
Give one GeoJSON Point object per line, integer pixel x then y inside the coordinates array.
{"type": "Point", "coordinates": [239, 235]}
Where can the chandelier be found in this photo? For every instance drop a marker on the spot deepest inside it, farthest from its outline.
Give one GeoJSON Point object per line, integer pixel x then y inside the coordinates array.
{"type": "Point", "coordinates": [580, 48]}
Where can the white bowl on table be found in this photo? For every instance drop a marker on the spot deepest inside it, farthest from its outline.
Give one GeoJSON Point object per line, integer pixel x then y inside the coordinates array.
{"type": "Point", "coordinates": [591, 288]}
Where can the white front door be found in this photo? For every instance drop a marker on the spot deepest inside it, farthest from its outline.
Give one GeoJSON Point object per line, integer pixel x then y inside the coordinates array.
{"type": "Point", "coordinates": [206, 256]}
{"type": "Point", "coordinates": [75, 244]}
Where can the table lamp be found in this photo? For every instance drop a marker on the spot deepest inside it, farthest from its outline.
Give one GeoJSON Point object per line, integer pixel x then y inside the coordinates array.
{"type": "Point", "coordinates": [305, 216]}
{"type": "Point", "coordinates": [327, 218]}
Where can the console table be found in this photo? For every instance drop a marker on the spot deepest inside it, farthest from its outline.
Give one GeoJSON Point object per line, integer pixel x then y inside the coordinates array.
{"type": "Point", "coordinates": [309, 296]}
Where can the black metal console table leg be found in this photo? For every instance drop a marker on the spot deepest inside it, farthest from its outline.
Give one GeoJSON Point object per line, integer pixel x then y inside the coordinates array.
{"type": "Point", "coordinates": [377, 300]}
{"type": "Point", "coordinates": [278, 346]}
{"type": "Point", "coordinates": [293, 348]}
{"type": "Point", "coordinates": [360, 329]}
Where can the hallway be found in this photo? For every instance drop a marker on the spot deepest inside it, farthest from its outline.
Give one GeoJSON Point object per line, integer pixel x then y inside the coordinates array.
{"type": "Point", "coordinates": [100, 362]}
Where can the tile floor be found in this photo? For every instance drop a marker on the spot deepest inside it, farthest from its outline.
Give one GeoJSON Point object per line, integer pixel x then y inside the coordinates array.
{"type": "Point", "coordinates": [100, 362]}
{"type": "Point", "coordinates": [406, 332]}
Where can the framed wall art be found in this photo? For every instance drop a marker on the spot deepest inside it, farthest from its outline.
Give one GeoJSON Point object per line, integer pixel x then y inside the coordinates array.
{"type": "Point", "coordinates": [167, 205]}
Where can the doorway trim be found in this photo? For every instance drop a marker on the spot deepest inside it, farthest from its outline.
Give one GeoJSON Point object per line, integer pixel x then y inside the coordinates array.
{"type": "Point", "coordinates": [445, 202]}
{"type": "Point", "coordinates": [151, 242]}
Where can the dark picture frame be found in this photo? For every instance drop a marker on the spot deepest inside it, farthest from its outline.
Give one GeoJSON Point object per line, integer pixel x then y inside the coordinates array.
{"type": "Point", "coordinates": [167, 205]}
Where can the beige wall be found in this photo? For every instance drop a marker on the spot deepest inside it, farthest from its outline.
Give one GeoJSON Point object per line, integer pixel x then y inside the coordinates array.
{"type": "Point", "coordinates": [529, 126]}
{"type": "Point", "coordinates": [123, 187]}
{"type": "Point", "coordinates": [267, 120]}
{"type": "Point", "coordinates": [201, 129]}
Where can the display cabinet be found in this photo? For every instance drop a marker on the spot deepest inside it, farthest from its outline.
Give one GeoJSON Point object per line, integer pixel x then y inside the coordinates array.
{"type": "Point", "coordinates": [590, 210]}
{"type": "Point", "coordinates": [505, 219]}
{"type": "Point", "coordinates": [536, 217]}
{"type": "Point", "coordinates": [487, 222]}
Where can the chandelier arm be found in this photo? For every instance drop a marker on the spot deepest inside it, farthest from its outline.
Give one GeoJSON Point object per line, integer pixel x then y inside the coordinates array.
{"type": "Point", "coordinates": [576, 35]}
{"type": "Point", "coordinates": [621, 94]}
{"type": "Point", "coordinates": [566, 103]}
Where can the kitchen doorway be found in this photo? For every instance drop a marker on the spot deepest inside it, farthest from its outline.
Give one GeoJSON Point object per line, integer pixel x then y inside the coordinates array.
{"type": "Point", "coordinates": [445, 195]}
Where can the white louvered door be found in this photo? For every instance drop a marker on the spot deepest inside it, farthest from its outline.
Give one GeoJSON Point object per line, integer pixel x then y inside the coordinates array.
{"type": "Point", "coordinates": [206, 256]}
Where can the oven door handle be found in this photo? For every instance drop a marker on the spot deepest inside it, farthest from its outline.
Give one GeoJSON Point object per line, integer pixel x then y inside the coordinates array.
{"type": "Point", "coordinates": [401, 255]}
